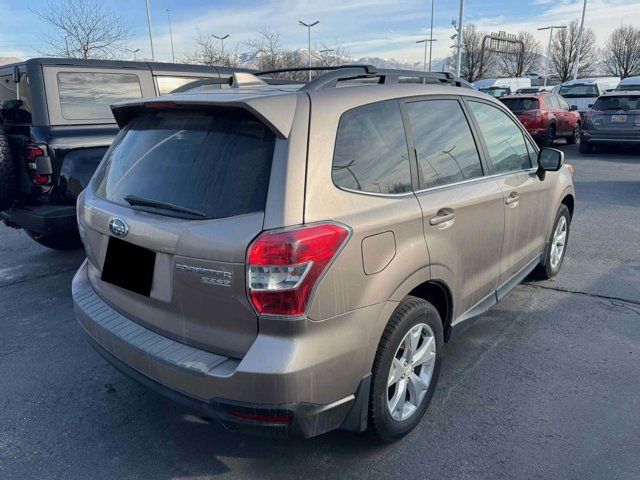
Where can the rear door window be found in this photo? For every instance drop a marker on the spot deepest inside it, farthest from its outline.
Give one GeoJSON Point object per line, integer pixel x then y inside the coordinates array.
{"type": "Point", "coordinates": [444, 144]}
{"type": "Point", "coordinates": [505, 141]}
{"type": "Point", "coordinates": [215, 164]}
{"type": "Point", "coordinates": [89, 95]}
{"type": "Point", "coordinates": [371, 153]}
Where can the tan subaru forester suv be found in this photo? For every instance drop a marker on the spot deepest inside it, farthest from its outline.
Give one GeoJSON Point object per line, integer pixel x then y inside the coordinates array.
{"type": "Point", "coordinates": [290, 259]}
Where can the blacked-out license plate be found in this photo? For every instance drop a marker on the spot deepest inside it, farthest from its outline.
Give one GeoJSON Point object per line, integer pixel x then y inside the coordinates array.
{"type": "Point", "coordinates": [129, 266]}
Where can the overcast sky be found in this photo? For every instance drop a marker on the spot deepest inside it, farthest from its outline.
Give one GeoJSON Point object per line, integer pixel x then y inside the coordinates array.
{"type": "Point", "coordinates": [384, 28]}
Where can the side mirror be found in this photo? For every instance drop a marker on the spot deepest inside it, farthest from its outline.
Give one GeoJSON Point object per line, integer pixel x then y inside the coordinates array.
{"type": "Point", "coordinates": [590, 105]}
{"type": "Point", "coordinates": [549, 160]}
{"type": "Point", "coordinates": [574, 107]}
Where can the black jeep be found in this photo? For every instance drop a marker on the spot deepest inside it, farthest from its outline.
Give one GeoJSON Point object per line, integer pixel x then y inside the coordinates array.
{"type": "Point", "coordinates": [55, 126]}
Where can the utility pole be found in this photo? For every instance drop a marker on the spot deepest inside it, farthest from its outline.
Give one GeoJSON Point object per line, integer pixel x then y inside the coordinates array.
{"type": "Point", "coordinates": [221, 44]}
{"type": "Point", "coordinates": [153, 55]}
{"type": "Point", "coordinates": [173, 55]}
{"type": "Point", "coordinates": [577, 64]}
{"type": "Point", "coordinates": [431, 36]}
{"type": "Point", "coordinates": [309, 25]}
{"type": "Point", "coordinates": [546, 63]}
{"type": "Point", "coordinates": [430, 42]}
{"type": "Point", "coordinates": [459, 43]}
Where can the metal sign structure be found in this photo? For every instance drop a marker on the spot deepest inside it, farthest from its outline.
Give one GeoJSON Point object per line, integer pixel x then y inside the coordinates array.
{"type": "Point", "coordinates": [503, 44]}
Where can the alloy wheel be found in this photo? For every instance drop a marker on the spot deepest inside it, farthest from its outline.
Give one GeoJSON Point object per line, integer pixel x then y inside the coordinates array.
{"type": "Point", "coordinates": [411, 372]}
{"type": "Point", "coordinates": [558, 242]}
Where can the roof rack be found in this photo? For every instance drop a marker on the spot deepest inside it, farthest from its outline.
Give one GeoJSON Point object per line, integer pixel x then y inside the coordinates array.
{"type": "Point", "coordinates": [354, 72]}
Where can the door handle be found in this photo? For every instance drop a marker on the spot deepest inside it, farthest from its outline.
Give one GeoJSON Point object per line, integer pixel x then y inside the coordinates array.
{"type": "Point", "coordinates": [441, 218]}
{"type": "Point", "coordinates": [512, 198]}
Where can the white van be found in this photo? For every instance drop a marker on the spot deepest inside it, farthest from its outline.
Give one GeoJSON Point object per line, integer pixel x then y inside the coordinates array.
{"type": "Point", "coordinates": [629, 84]}
{"type": "Point", "coordinates": [584, 91]}
{"type": "Point", "coordinates": [499, 87]}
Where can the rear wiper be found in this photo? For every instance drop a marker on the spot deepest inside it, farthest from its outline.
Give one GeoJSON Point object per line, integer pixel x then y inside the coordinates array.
{"type": "Point", "coordinates": [147, 202]}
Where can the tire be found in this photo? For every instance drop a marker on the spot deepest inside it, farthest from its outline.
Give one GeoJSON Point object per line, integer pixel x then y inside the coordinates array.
{"type": "Point", "coordinates": [66, 241]}
{"type": "Point", "coordinates": [575, 136]}
{"type": "Point", "coordinates": [549, 264]}
{"type": "Point", "coordinates": [8, 177]}
{"type": "Point", "coordinates": [549, 136]}
{"type": "Point", "coordinates": [421, 317]}
{"type": "Point", "coordinates": [585, 148]}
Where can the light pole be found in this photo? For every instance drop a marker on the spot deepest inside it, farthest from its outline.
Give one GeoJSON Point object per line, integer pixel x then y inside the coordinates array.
{"type": "Point", "coordinates": [577, 65]}
{"type": "Point", "coordinates": [153, 55]}
{"type": "Point", "coordinates": [309, 25]}
{"type": "Point", "coordinates": [221, 44]}
{"type": "Point", "coordinates": [459, 42]}
{"type": "Point", "coordinates": [431, 36]}
{"type": "Point", "coordinates": [546, 63]}
{"type": "Point", "coordinates": [430, 42]}
{"type": "Point", "coordinates": [173, 55]}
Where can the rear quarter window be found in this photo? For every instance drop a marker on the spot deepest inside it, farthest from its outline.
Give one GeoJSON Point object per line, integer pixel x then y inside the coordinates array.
{"type": "Point", "coordinates": [89, 95]}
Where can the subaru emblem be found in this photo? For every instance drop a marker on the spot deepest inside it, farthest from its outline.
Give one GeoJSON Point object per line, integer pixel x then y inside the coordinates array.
{"type": "Point", "coordinates": [118, 227]}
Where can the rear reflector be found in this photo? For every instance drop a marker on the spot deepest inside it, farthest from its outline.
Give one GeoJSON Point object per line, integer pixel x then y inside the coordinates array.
{"type": "Point", "coordinates": [284, 266]}
{"type": "Point", "coordinates": [268, 418]}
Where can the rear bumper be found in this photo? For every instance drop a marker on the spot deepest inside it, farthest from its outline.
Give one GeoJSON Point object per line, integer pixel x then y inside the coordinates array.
{"type": "Point", "coordinates": [212, 385]}
{"type": "Point", "coordinates": [43, 219]}
{"type": "Point", "coordinates": [610, 138]}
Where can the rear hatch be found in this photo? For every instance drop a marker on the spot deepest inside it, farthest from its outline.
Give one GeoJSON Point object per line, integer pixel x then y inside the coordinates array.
{"type": "Point", "coordinates": [169, 216]}
{"type": "Point", "coordinates": [616, 114]}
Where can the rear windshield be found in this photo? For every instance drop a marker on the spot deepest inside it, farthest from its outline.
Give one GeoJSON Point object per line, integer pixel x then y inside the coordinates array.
{"type": "Point", "coordinates": [521, 104]}
{"type": "Point", "coordinates": [496, 91]}
{"type": "Point", "coordinates": [630, 102]}
{"type": "Point", "coordinates": [214, 163]}
{"type": "Point", "coordinates": [88, 95]}
{"type": "Point", "coordinates": [574, 91]}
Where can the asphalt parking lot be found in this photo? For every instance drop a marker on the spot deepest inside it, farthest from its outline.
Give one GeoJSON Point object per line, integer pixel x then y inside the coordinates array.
{"type": "Point", "coordinates": [546, 385]}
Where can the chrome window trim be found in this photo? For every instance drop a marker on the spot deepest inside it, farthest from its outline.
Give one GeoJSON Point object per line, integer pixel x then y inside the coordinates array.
{"type": "Point", "coordinates": [475, 179]}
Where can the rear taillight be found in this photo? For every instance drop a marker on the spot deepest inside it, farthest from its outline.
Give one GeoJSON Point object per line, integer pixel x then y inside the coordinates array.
{"type": "Point", "coordinates": [38, 166]}
{"type": "Point", "coordinates": [33, 152]}
{"type": "Point", "coordinates": [285, 265]}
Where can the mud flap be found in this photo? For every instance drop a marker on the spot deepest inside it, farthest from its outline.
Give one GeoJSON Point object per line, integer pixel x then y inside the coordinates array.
{"type": "Point", "coordinates": [356, 419]}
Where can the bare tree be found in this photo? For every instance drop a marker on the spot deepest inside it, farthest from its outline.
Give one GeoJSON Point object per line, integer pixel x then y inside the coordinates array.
{"type": "Point", "coordinates": [564, 48]}
{"type": "Point", "coordinates": [270, 54]}
{"type": "Point", "coordinates": [208, 52]}
{"type": "Point", "coordinates": [84, 29]}
{"type": "Point", "coordinates": [474, 65]}
{"type": "Point", "coordinates": [331, 56]}
{"type": "Point", "coordinates": [525, 57]}
{"type": "Point", "coordinates": [622, 52]}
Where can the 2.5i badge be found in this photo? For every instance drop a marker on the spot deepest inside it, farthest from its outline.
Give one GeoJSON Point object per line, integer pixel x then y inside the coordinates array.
{"type": "Point", "coordinates": [208, 276]}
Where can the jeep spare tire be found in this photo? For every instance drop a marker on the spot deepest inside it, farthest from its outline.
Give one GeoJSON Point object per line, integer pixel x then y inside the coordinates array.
{"type": "Point", "coordinates": [8, 179]}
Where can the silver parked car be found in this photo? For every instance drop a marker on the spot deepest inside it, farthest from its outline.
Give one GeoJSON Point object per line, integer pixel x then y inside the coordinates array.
{"type": "Point", "coordinates": [290, 259]}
